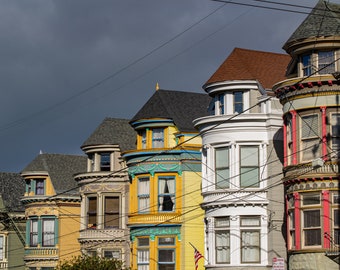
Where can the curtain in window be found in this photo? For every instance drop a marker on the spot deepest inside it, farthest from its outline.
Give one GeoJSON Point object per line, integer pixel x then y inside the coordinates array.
{"type": "Point", "coordinates": [312, 230]}
{"type": "Point", "coordinates": [335, 122]}
{"type": "Point", "coordinates": [250, 246]}
{"type": "Point", "coordinates": [143, 195]}
{"type": "Point", "coordinates": [166, 194]}
{"type": "Point", "coordinates": [48, 232]}
{"type": "Point", "coordinates": [222, 243]}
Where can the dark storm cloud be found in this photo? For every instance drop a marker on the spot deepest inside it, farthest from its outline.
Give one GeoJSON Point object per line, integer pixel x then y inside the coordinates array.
{"type": "Point", "coordinates": [52, 52]}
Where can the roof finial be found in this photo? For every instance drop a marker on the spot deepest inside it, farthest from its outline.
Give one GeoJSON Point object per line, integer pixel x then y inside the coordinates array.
{"type": "Point", "coordinates": [157, 86]}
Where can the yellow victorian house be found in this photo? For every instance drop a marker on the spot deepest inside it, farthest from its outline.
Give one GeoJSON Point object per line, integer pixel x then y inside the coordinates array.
{"type": "Point", "coordinates": [52, 210]}
{"type": "Point", "coordinates": [165, 172]}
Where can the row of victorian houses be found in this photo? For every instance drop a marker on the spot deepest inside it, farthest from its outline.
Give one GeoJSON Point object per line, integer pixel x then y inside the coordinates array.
{"type": "Point", "coordinates": [247, 173]}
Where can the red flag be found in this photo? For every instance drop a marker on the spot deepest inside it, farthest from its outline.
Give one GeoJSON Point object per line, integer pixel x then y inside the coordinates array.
{"type": "Point", "coordinates": [197, 256]}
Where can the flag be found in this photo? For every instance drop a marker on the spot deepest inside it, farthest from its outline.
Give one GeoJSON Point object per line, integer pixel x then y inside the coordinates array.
{"type": "Point", "coordinates": [197, 256]}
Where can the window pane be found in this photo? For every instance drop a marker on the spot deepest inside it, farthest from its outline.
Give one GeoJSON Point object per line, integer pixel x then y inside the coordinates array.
{"type": "Point", "coordinates": [34, 233]}
{"type": "Point", "coordinates": [166, 193]}
{"type": "Point", "coordinates": [309, 126]}
{"type": "Point", "coordinates": [250, 241]}
{"type": "Point", "coordinates": [2, 247]}
{"type": "Point", "coordinates": [249, 171]}
{"type": "Point", "coordinates": [48, 232]}
{"type": "Point", "coordinates": [221, 222]}
{"type": "Point", "coordinates": [39, 186]}
{"type": "Point", "coordinates": [306, 65]}
{"type": "Point", "coordinates": [143, 135]}
{"type": "Point", "coordinates": [222, 242]}
{"type": "Point", "coordinates": [111, 218]}
{"type": "Point", "coordinates": [170, 241]}
{"type": "Point", "coordinates": [238, 102]}
{"type": "Point", "coordinates": [313, 237]}
{"type": "Point", "coordinates": [222, 167]}
{"type": "Point", "coordinates": [250, 221]}
{"type": "Point", "coordinates": [326, 62]}
{"type": "Point", "coordinates": [105, 162]}
{"type": "Point", "coordinates": [143, 195]}
{"type": "Point", "coordinates": [157, 138]}
{"type": "Point", "coordinates": [311, 218]}
{"type": "Point", "coordinates": [112, 254]}
{"type": "Point", "coordinates": [142, 242]}
{"type": "Point", "coordinates": [92, 212]}
{"type": "Point", "coordinates": [311, 199]}
{"type": "Point", "coordinates": [166, 255]}
{"type": "Point", "coordinates": [221, 104]}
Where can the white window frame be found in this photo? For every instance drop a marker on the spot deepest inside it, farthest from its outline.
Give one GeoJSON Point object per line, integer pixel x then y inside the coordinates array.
{"type": "Point", "coordinates": [222, 233]}
{"type": "Point", "coordinates": [245, 245]}
{"type": "Point", "coordinates": [3, 250]}
{"type": "Point", "coordinates": [218, 168]}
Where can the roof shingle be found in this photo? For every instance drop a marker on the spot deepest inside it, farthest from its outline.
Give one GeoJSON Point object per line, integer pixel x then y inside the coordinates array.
{"type": "Point", "coordinates": [243, 64]}
{"type": "Point", "coordinates": [12, 188]}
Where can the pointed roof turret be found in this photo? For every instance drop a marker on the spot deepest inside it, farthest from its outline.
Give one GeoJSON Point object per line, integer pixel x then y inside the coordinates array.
{"type": "Point", "coordinates": [323, 21]}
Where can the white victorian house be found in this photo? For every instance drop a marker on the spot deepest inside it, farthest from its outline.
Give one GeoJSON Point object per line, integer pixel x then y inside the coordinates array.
{"type": "Point", "coordinates": [241, 170]}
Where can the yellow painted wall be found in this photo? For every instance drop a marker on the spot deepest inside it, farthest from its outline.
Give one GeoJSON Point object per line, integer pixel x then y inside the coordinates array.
{"type": "Point", "coordinates": [193, 220]}
{"type": "Point", "coordinates": [69, 224]}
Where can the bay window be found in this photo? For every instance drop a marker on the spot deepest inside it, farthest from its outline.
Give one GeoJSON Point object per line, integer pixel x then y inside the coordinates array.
{"type": "Point", "coordinates": [249, 166]}
{"type": "Point", "coordinates": [143, 187]}
{"type": "Point", "coordinates": [166, 193]}
{"type": "Point", "coordinates": [42, 231]}
{"type": "Point", "coordinates": [222, 167]}
{"type": "Point", "coordinates": [310, 137]}
{"type": "Point", "coordinates": [143, 254]}
{"type": "Point", "coordinates": [250, 239]}
{"type": "Point", "coordinates": [112, 254]}
{"type": "Point", "coordinates": [222, 240]}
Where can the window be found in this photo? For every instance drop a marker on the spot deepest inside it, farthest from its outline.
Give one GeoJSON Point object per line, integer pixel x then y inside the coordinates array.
{"type": "Point", "coordinates": [113, 254]}
{"type": "Point", "coordinates": [166, 193]}
{"type": "Point", "coordinates": [143, 138]}
{"type": "Point", "coordinates": [326, 62]}
{"type": "Point", "coordinates": [34, 233]}
{"type": "Point", "coordinates": [310, 199]}
{"type": "Point", "coordinates": [166, 253]}
{"type": "Point", "coordinates": [250, 239]}
{"type": "Point", "coordinates": [336, 226]}
{"type": "Point", "coordinates": [91, 162]}
{"type": "Point", "coordinates": [292, 228]}
{"type": "Point", "coordinates": [92, 212]}
{"type": "Point", "coordinates": [143, 195]}
{"type": "Point", "coordinates": [238, 102]}
{"type": "Point", "coordinates": [249, 166]}
{"type": "Point", "coordinates": [2, 247]}
{"type": "Point", "coordinates": [48, 232]}
{"type": "Point", "coordinates": [221, 104]}
{"type": "Point", "coordinates": [157, 138]}
{"type": "Point", "coordinates": [222, 240]}
{"type": "Point", "coordinates": [105, 162]}
{"type": "Point", "coordinates": [111, 212]}
{"type": "Point", "coordinates": [310, 137]}
{"type": "Point", "coordinates": [312, 227]}
{"type": "Point", "coordinates": [143, 254]}
{"type": "Point", "coordinates": [306, 65]}
{"type": "Point", "coordinates": [335, 125]}
{"type": "Point", "coordinates": [39, 187]}
{"type": "Point", "coordinates": [222, 167]}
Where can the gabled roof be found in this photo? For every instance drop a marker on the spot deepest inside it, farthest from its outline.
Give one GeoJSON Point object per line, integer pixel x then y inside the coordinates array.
{"type": "Point", "coordinates": [323, 21]}
{"type": "Point", "coordinates": [242, 64]}
{"type": "Point", "coordinates": [12, 188]}
{"type": "Point", "coordinates": [60, 168]}
{"type": "Point", "coordinates": [113, 131]}
{"type": "Point", "coordinates": [181, 107]}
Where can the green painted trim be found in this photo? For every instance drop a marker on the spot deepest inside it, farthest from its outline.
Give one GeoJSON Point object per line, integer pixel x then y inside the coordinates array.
{"type": "Point", "coordinates": [153, 232]}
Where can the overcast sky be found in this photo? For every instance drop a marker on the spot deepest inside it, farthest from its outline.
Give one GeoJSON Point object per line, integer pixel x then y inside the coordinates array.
{"type": "Point", "coordinates": [65, 65]}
